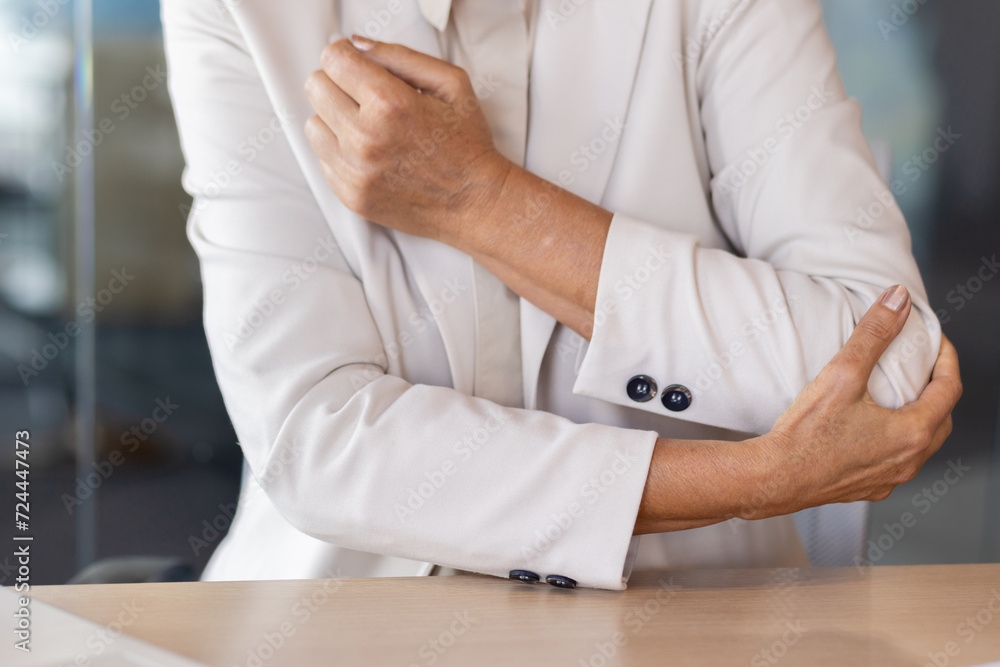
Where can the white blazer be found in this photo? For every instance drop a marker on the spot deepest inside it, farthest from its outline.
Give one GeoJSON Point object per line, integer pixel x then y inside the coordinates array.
{"type": "Point", "coordinates": [345, 351]}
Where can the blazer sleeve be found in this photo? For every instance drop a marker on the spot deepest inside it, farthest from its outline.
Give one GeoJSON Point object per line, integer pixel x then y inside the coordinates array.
{"type": "Point", "coordinates": [347, 453]}
{"type": "Point", "coordinates": [816, 238]}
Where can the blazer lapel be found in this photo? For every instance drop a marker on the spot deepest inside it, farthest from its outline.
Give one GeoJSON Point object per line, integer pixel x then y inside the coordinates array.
{"type": "Point", "coordinates": [285, 58]}
{"type": "Point", "coordinates": [582, 73]}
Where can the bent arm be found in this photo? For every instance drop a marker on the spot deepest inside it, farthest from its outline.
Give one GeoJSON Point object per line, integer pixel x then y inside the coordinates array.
{"type": "Point", "coordinates": [745, 330]}
{"type": "Point", "coordinates": [347, 452]}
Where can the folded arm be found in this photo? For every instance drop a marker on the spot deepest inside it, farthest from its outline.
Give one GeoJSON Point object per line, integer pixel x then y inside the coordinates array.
{"type": "Point", "coordinates": [744, 330]}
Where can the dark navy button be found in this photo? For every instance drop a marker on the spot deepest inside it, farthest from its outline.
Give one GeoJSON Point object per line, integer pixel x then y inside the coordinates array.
{"type": "Point", "coordinates": [641, 388]}
{"type": "Point", "coordinates": [677, 398]}
{"type": "Point", "coordinates": [560, 581]}
{"type": "Point", "coordinates": [527, 576]}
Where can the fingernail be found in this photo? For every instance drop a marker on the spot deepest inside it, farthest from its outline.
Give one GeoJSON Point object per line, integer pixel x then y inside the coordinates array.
{"type": "Point", "coordinates": [362, 43]}
{"type": "Point", "coordinates": [895, 298]}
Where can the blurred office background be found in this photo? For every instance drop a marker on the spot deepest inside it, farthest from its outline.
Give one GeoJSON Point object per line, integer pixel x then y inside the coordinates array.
{"type": "Point", "coordinates": [918, 67]}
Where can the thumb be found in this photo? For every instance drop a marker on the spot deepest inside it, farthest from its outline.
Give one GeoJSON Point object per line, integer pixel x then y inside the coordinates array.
{"type": "Point", "coordinates": [873, 334]}
{"type": "Point", "coordinates": [419, 70]}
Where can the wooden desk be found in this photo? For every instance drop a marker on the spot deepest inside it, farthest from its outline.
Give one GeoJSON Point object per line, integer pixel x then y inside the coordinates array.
{"type": "Point", "coordinates": [883, 616]}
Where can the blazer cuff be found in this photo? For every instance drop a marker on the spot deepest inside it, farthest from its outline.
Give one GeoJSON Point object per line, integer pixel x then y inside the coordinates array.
{"type": "Point", "coordinates": [639, 269]}
{"type": "Point", "coordinates": [591, 540]}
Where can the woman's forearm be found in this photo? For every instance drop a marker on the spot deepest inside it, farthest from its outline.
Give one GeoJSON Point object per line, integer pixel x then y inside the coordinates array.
{"type": "Point", "coordinates": [543, 242]}
{"type": "Point", "coordinates": [694, 483]}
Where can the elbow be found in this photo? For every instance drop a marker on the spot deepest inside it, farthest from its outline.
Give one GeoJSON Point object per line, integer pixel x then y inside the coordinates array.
{"type": "Point", "coordinates": [905, 368]}
{"type": "Point", "coordinates": [299, 495]}
{"type": "Point", "coordinates": [319, 471]}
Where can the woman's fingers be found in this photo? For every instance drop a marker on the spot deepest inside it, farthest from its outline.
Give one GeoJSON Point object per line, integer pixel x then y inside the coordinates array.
{"type": "Point", "coordinates": [854, 363]}
{"type": "Point", "coordinates": [322, 139]}
{"type": "Point", "coordinates": [421, 71]}
{"type": "Point", "coordinates": [337, 109]}
{"type": "Point", "coordinates": [938, 399]}
{"type": "Point", "coordinates": [361, 78]}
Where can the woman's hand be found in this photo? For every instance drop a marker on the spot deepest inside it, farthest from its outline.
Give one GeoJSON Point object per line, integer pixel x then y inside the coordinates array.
{"type": "Point", "coordinates": [402, 139]}
{"type": "Point", "coordinates": [403, 142]}
{"type": "Point", "coordinates": [834, 444]}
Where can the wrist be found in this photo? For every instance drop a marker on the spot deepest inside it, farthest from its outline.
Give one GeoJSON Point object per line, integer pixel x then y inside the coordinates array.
{"type": "Point", "coordinates": [768, 492]}
{"type": "Point", "coordinates": [707, 481]}
{"type": "Point", "coordinates": [480, 210]}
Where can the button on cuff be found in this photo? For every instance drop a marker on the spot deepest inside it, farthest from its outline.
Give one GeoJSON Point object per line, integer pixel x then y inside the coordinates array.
{"type": "Point", "coordinates": [677, 398]}
{"type": "Point", "coordinates": [641, 389]}
{"type": "Point", "coordinates": [527, 576]}
{"type": "Point", "coordinates": [560, 581]}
